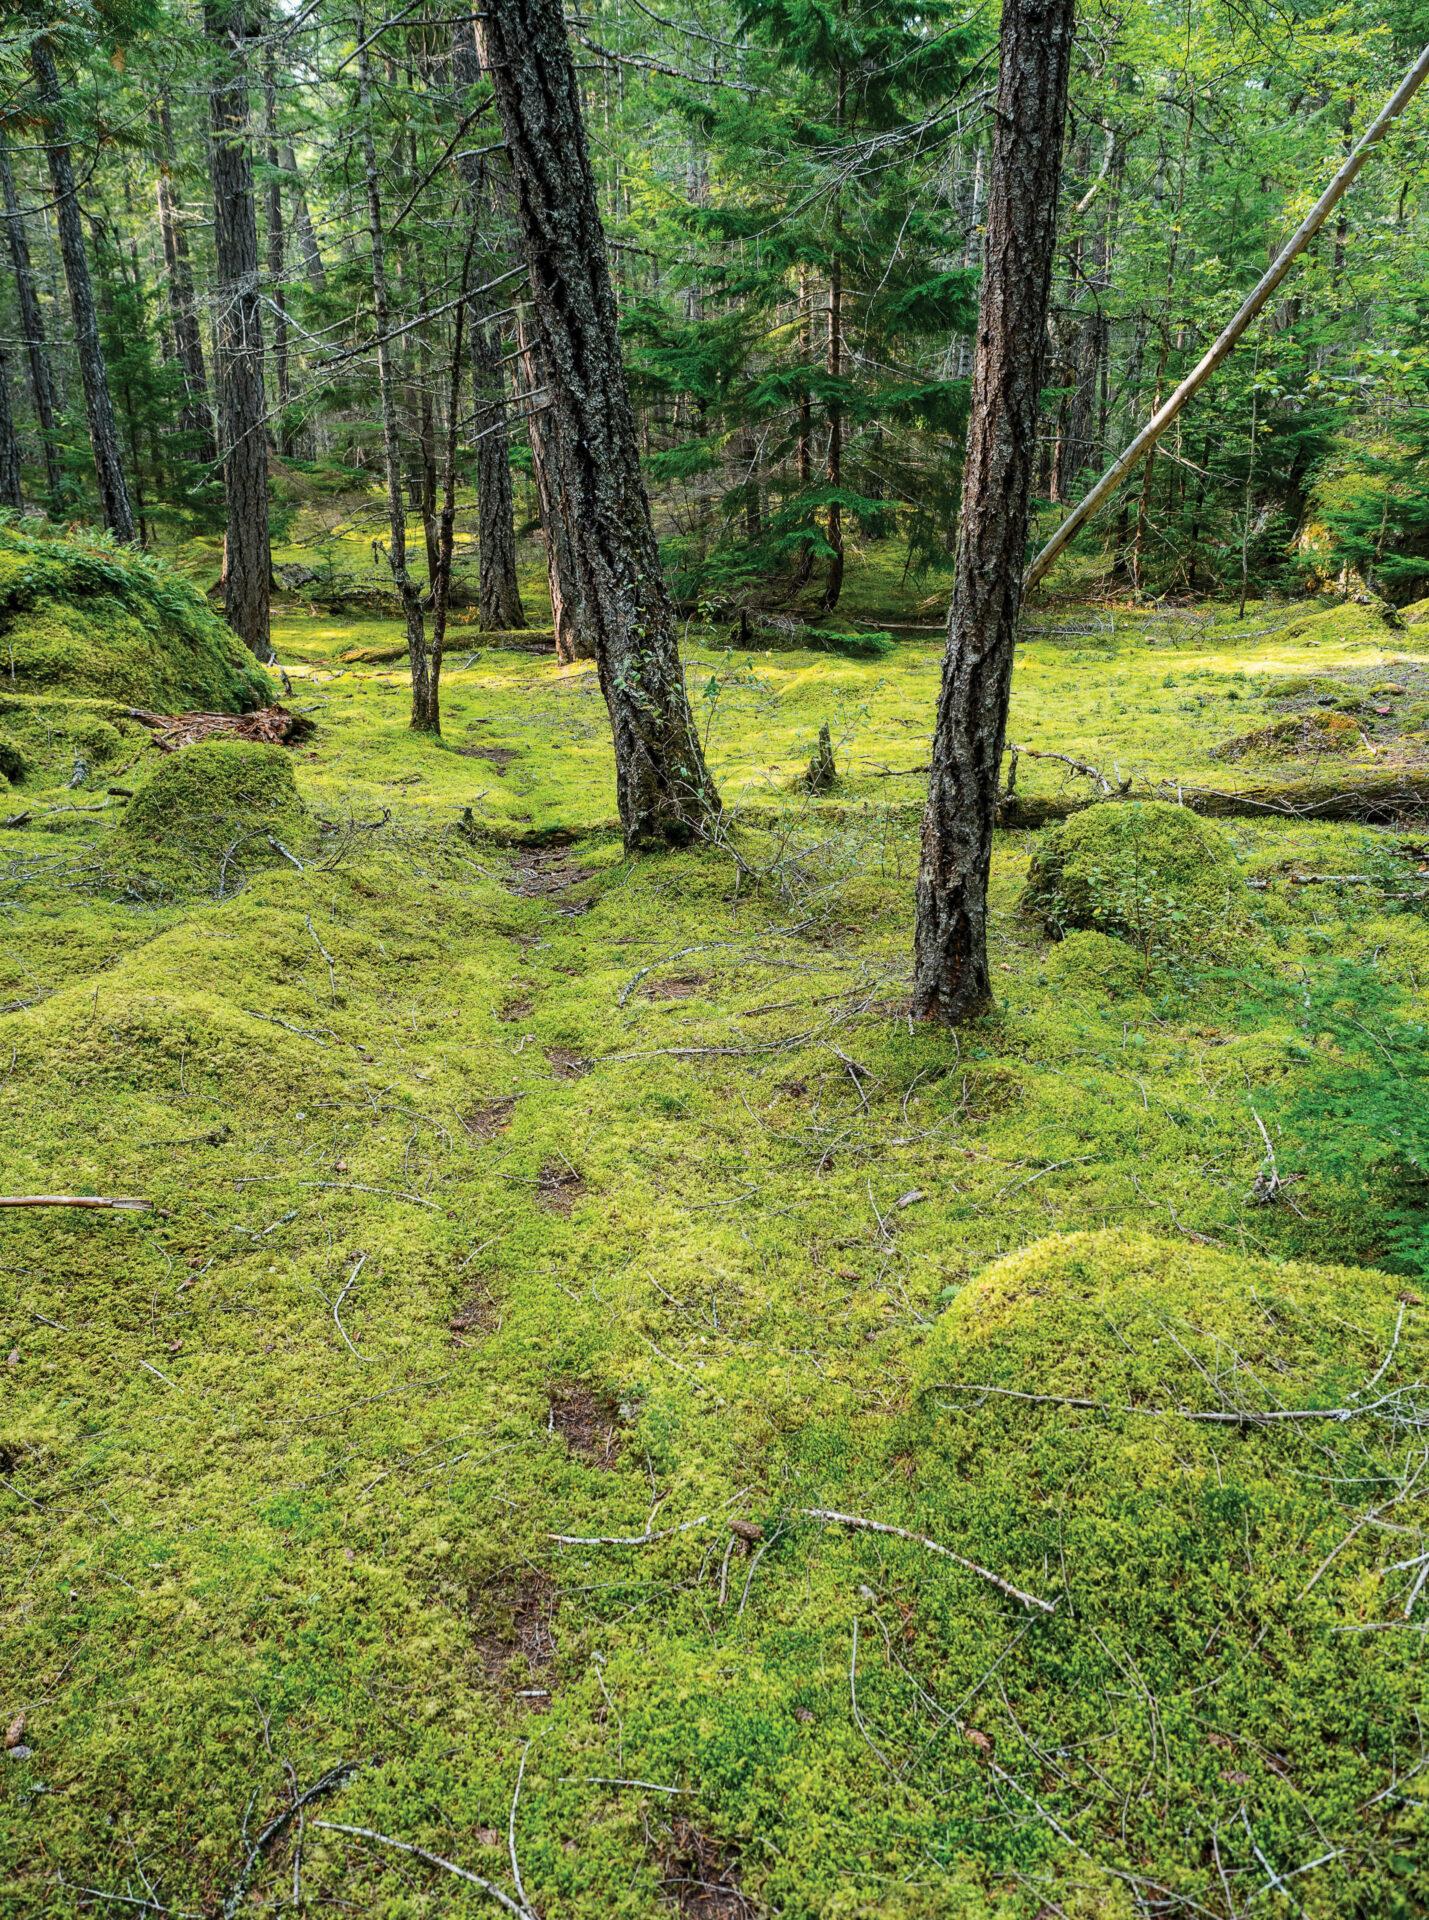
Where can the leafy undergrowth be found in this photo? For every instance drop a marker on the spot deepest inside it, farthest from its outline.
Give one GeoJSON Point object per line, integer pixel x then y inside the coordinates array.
{"type": "Point", "coordinates": [507, 1192]}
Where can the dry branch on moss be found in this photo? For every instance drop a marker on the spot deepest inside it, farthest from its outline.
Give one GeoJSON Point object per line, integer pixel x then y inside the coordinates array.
{"type": "Point", "coordinates": [269, 726]}
{"type": "Point", "coordinates": [93, 1201]}
{"type": "Point", "coordinates": [829, 1518]}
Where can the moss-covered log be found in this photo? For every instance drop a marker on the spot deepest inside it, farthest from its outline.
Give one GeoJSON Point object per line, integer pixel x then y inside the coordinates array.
{"type": "Point", "coordinates": [1377, 799]}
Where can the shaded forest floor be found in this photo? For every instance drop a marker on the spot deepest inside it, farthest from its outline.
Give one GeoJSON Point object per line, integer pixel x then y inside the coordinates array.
{"type": "Point", "coordinates": [509, 1189]}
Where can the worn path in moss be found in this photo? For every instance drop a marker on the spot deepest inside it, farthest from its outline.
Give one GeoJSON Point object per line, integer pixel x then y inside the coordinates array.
{"type": "Point", "coordinates": [511, 1192]}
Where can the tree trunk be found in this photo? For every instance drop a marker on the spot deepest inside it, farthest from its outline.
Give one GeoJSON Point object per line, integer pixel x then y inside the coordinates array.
{"type": "Point", "coordinates": [240, 332]}
{"type": "Point", "coordinates": [574, 639]}
{"type": "Point", "coordinates": [197, 416]}
{"type": "Point", "coordinates": [10, 495]}
{"type": "Point", "coordinates": [951, 981]}
{"type": "Point", "coordinates": [286, 444]}
{"type": "Point", "coordinates": [99, 408]}
{"type": "Point", "coordinates": [41, 381]}
{"type": "Point", "coordinates": [499, 598]}
{"type": "Point", "coordinates": [426, 714]}
{"type": "Point", "coordinates": [833, 471]}
{"type": "Point", "coordinates": [303, 224]}
{"type": "Point", "coordinates": [662, 785]}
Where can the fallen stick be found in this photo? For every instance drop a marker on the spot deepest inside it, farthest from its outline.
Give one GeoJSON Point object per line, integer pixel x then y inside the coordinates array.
{"type": "Point", "coordinates": [90, 1200]}
{"type": "Point", "coordinates": [829, 1518]}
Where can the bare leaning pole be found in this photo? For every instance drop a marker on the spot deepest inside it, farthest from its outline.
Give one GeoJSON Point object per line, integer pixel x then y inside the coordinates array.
{"type": "Point", "coordinates": [1253, 304]}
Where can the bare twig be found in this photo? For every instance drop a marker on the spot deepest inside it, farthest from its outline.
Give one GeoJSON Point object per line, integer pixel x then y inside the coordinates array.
{"type": "Point", "coordinates": [361, 1263]}
{"type": "Point", "coordinates": [92, 1201]}
{"type": "Point", "coordinates": [332, 982]}
{"type": "Point", "coordinates": [432, 1860]}
{"type": "Point", "coordinates": [333, 1779]}
{"type": "Point", "coordinates": [830, 1518]}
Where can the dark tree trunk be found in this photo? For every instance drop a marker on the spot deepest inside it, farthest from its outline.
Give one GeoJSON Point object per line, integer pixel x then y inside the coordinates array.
{"type": "Point", "coordinates": [10, 495]}
{"type": "Point", "coordinates": [197, 416]}
{"type": "Point", "coordinates": [426, 715]}
{"type": "Point", "coordinates": [833, 586]}
{"type": "Point", "coordinates": [499, 599]}
{"type": "Point", "coordinates": [951, 980]}
{"type": "Point", "coordinates": [574, 640]}
{"type": "Point", "coordinates": [499, 604]}
{"type": "Point", "coordinates": [286, 445]}
{"type": "Point", "coordinates": [99, 408]}
{"type": "Point", "coordinates": [41, 381]}
{"type": "Point", "coordinates": [249, 560]}
{"type": "Point", "coordinates": [662, 785]}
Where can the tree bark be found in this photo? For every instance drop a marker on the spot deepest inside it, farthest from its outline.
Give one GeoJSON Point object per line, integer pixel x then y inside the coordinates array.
{"type": "Point", "coordinates": [426, 714]}
{"type": "Point", "coordinates": [249, 560]}
{"type": "Point", "coordinates": [303, 223]}
{"type": "Point", "coordinates": [663, 788]}
{"type": "Point", "coordinates": [197, 416]}
{"type": "Point", "coordinates": [833, 470]}
{"type": "Point", "coordinates": [99, 408]}
{"type": "Point", "coordinates": [574, 639]}
{"type": "Point", "coordinates": [951, 981]}
{"type": "Point", "coordinates": [42, 384]}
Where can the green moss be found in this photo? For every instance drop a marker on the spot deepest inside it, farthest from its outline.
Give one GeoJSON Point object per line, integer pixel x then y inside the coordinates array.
{"type": "Point", "coordinates": [1145, 872]}
{"type": "Point", "coordinates": [220, 804]}
{"type": "Point", "coordinates": [14, 762]}
{"type": "Point", "coordinates": [82, 616]}
{"type": "Point", "coordinates": [1085, 959]}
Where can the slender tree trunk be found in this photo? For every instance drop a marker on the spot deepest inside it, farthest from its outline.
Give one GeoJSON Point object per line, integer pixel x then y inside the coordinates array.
{"type": "Point", "coordinates": [286, 444]}
{"type": "Point", "coordinates": [446, 524]}
{"type": "Point", "coordinates": [574, 639]}
{"type": "Point", "coordinates": [41, 381]}
{"type": "Point", "coordinates": [248, 556]}
{"type": "Point", "coordinates": [303, 224]}
{"type": "Point", "coordinates": [10, 495]}
{"type": "Point", "coordinates": [662, 785]}
{"type": "Point", "coordinates": [197, 416]}
{"type": "Point", "coordinates": [426, 714]}
{"type": "Point", "coordinates": [833, 471]}
{"type": "Point", "coordinates": [499, 598]}
{"type": "Point", "coordinates": [99, 408]}
{"type": "Point", "coordinates": [951, 981]}
{"type": "Point", "coordinates": [804, 565]}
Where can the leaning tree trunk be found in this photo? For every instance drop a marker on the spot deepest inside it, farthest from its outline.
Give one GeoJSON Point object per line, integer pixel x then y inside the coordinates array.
{"type": "Point", "coordinates": [574, 639]}
{"type": "Point", "coordinates": [662, 785]}
{"type": "Point", "coordinates": [950, 979]}
{"type": "Point", "coordinates": [248, 559]}
{"type": "Point", "coordinates": [426, 715]}
{"type": "Point", "coordinates": [42, 384]}
{"type": "Point", "coordinates": [99, 408]}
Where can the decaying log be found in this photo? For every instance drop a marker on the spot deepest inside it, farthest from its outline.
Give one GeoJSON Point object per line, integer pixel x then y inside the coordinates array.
{"type": "Point", "coordinates": [1374, 799]}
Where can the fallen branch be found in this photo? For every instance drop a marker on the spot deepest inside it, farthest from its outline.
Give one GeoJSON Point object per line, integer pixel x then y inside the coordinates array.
{"type": "Point", "coordinates": [270, 726]}
{"type": "Point", "coordinates": [93, 1201]}
{"type": "Point", "coordinates": [330, 1781]}
{"type": "Point", "coordinates": [829, 1518]}
{"type": "Point", "coordinates": [1378, 799]}
{"type": "Point", "coordinates": [432, 1860]}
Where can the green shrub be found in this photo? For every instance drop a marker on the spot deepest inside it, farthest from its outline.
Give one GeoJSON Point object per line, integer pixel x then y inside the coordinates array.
{"type": "Point", "coordinates": [1146, 873]}
{"type": "Point", "coordinates": [83, 616]}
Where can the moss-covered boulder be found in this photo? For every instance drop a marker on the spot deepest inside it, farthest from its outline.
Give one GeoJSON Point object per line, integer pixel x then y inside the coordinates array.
{"type": "Point", "coordinates": [1095, 963]}
{"type": "Point", "coordinates": [14, 761]}
{"type": "Point", "coordinates": [211, 813]}
{"type": "Point", "coordinates": [1141, 871]}
{"type": "Point", "coordinates": [81, 616]}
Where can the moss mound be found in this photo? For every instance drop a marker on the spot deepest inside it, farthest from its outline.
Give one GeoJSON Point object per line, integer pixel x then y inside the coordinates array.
{"type": "Point", "coordinates": [14, 761]}
{"type": "Point", "coordinates": [1097, 963]}
{"type": "Point", "coordinates": [82, 616]}
{"type": "Point", "coordinates": [1350, 620]}
{"type": "Point", "coordinates": [213, 812]}
{"type": "Point", "coordinates": [1295, 735]}
{"type": "Point", "coordinates": [1144, 872]}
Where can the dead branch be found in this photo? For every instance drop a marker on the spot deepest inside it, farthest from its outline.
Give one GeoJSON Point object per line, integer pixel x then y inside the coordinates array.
{"type": "Point", "coordinates": [93, 1201]}
{"type": "Point", "coordinates": [829, 1518]}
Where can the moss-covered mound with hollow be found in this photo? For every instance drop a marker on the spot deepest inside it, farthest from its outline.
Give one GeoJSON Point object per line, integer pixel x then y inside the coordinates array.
{"type": "Point", "coordinates": [83, 616]}
{"type": "Point", "coordinates": [1141, 871]}
{"type": "Point", "coordinates": [213, 812]}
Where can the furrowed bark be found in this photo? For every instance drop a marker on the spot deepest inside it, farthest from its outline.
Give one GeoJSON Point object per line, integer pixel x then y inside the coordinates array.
{"type": "Point", "coordinates": [99, 407]}
{"type": "Point", "coordinates": [42, 384]}
{"type": "Point", "coordinates": [950, 981]}
{"type": "Point", "coordinates": [662, 785]}
{"type": "Point", "coordinates": [248, 563]}
{"type": "Point", "coordinates": [426, 716]}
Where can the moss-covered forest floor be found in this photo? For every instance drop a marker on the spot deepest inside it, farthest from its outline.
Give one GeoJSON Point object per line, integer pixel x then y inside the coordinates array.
{"type": "Point", "coordinates": [543, 1241]}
